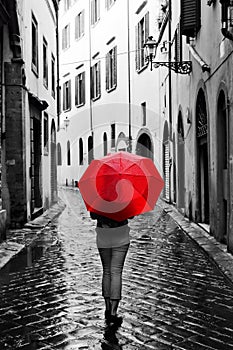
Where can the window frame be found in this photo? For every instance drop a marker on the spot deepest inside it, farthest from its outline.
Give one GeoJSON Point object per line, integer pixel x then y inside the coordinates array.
{"type": "Point", "coordinates": [95, 11]}
{"type": "Point", "coordinates": [45, 63]}
{"type": "Point", "coordinates": [66, 37]}
{"type": "Point", "coordinates": [67, 95]}
{"type": "Point", "coordinates": [80, 25]}
{"type": "Point", "coordinates": [141, 36]}
{"type": "Point", "coordinates": [111, 69]}
{"type": "Point", "coordinates": [109, 3]}
{"type": "Point", "coordinates": [96, 81]}
{"type": "Point", "coordinates": [46, 134]}
{"type": "Point", "coordinates": [35, 48]}
{"type": "Point", "coordinates": [80, 89]}
{"type": "Point", "coordinates": [53, 76]}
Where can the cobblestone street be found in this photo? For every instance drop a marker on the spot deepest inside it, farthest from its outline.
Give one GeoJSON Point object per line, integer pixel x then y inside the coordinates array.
{"type": "Point", "coordinates": [173, 296]}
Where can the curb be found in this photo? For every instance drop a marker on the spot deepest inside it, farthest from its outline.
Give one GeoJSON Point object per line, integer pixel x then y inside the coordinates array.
{"type": "Point", "coordinates": [18, 239]}
{"type": "Point", "coordinates": [216, 251]}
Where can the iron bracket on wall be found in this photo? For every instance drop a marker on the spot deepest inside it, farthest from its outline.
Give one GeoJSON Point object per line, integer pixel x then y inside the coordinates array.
{"type": "Point", "coordinates": [184, 67]}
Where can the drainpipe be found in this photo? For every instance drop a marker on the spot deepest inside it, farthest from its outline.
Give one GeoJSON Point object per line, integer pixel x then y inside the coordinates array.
{"type": "Point", "coordinates": [225, 4]}
{"type": "Point", "coordinates": [169, 87]}
{"type": "Point", "coordinates": [129, 81]}
{"type": "Point", "coordinates": [58, 71]}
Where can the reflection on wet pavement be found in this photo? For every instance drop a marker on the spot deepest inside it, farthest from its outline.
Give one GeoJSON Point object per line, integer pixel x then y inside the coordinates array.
{"type": "Point", "coordinates": [173, 297]}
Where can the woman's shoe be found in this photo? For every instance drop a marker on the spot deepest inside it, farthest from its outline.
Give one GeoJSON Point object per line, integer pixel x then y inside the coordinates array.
{"type": "Point", "coordinates": [107, 315]}
{"type": "Point", "coordinates": [115, 320]}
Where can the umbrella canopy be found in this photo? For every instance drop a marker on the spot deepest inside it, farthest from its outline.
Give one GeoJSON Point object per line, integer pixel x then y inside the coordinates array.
{"type": "Point", "coordinates": [121, 185]}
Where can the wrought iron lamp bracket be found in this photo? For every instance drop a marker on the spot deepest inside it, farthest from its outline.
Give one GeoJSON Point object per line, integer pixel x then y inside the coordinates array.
{"type": "Point", "coordinates": [183, 67]}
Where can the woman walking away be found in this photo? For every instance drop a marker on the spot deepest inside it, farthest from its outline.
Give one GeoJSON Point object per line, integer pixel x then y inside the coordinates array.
{"type": "Point", "coordinates": [113, 243]}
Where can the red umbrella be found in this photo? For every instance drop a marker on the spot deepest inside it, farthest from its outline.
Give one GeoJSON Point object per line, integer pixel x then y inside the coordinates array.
{"type": "Point", "coordinates": [121, 185]}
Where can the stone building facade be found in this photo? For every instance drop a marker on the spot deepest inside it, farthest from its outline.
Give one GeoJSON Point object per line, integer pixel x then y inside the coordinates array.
{"type": "Point", "coordinates": [199, 126]}
{"type": "Point", "coordinates": [29, 108]}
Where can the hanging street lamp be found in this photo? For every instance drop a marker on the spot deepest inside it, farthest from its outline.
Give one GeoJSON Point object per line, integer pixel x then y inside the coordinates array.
{"type": "Point", "coordinates": [181, 67]}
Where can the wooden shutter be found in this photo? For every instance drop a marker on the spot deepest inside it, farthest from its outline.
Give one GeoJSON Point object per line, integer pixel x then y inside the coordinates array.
{"type": "Point", "coordinates": [63, 39]}
{"type": "Point", "coordinates": [76, 90]}
{"type": "Point", "coordinates": [107, 71]}
{"type": "Point", "coordinates": [83, 89]}
{"type": "Point", "coordinates": [76, 27]}
{"type": "Point", "coordinates": [92, 82]}
{"type": "Point", "coordinates": [190, 17]}
{"type": "Point", "coordinates": [99, 80]}
{"type": "Point", "coordinates": [92, 12]}
{"type": "Point", "coordinates": [82, 22]}
{"type": "Point", "coordinates": [147, 29]}
{"type": "Point", "coordinates": [64, 97]}
{"type": "Point", "coordinates": [69, 94]}
{"type": "Point", "coordinates": [137, 55]}
{"type": "Point", "coordinates": [115, 66]}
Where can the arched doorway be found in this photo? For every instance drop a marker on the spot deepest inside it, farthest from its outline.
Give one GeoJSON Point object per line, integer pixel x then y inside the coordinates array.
{"type": "Point", "coordinates": [222, 171]}
{"type": "Point", "coordinates": [180, 163]}
{"type": "Point", "coordinates": [53, 175]}
{"type": "Point", "coordinates": [166, 168]}
{"type": "Point", "coordinates": [144, 146]}
{"type": "Point", "coordinates": [202, 159]}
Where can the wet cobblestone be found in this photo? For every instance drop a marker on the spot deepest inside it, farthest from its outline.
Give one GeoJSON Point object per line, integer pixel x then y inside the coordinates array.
{"type": "Point", "coordinates": [174, 297]}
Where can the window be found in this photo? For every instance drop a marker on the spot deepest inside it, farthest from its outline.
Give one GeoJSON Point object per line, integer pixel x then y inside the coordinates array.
{"type": "Point", "coordinates": [142, 33]}
{"type": "Point", "coordinates": [109, 3]}
{"type": "Point", "coordinates": [143, 106]}
{"type": "Point", "coordinates": [79, 25]}
{"type": "Point", "coordinates": [190, 17]}
{"type": "Point", "coordinates": [66, 37]}
{"type": "Point", "coordinates": [59, 158]}
{"type": "Point", "coordinates": [67, 4]}
{"type": "Point", "coordinates": [67, 95]}
{"type": "Point", "coordinates": [95, 81]}
{"type": "Point", "coordinates": [46, 133]}
{"type": "Point", "coordinates": [113, 135]}
{"type": "Point", "coordinates": [53, 83]}
{"type": "Point", "coordinates": [45, 62]}
{"type": "Point", "coordinates": [34, 45]}
{"type": "Point", "coordinates": [111, 69]}
{"type": "Point", "coordinates": [80, 89]}
{"type": "Point", "coordinates": [105, 142]}
{"type": "Point", "coordinates": [95, 11]}
{"type": "Point", "coordinates": [80, 151]}
{"type": "Point", "coordinates": [68, 153]}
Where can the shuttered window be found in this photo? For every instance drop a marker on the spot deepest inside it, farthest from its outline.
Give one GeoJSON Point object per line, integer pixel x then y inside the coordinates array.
{"type": "Point", "coordinates": [95, 11]}
{"type": "Point", "coordinates": [67, 95]}
{"type": "Point", "coordinates": [190, 17]}
{"type": "Point", "coordinates": [95, 81]}
{"type": "Point", "coordinates": [66, 37]}
{"type": "Point", "coordinates": [80, 89]}
{"type": "Point", "coordinates": [111, 69]}
{"type": "Point", "coordinates": [34, 38]}
{"type": "Point", "coordinates": [109, 3]}
{"type": "Point", "coordinates": [141, 36]}
{"type": "Point", "coordinates": [178, 45]}
{"type": "Point", "coordinates": [79, 25]}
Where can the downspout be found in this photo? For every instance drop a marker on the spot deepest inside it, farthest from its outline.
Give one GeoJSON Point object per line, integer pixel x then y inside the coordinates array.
{"type": "Point", "coordinates": [129, 81]}
{"type": "Point", "coordinates": [58, 70]}
{"type": "Point", "coordinates": [225, 4]}
{"type": "Point", "coordinates": [169, 88]}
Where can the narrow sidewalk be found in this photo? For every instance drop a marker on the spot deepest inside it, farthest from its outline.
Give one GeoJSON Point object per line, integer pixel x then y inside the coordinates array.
{"type": "Point", "coordinates": [216, 251]}
{"type": "Point", "coordinates": [18, 239]}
